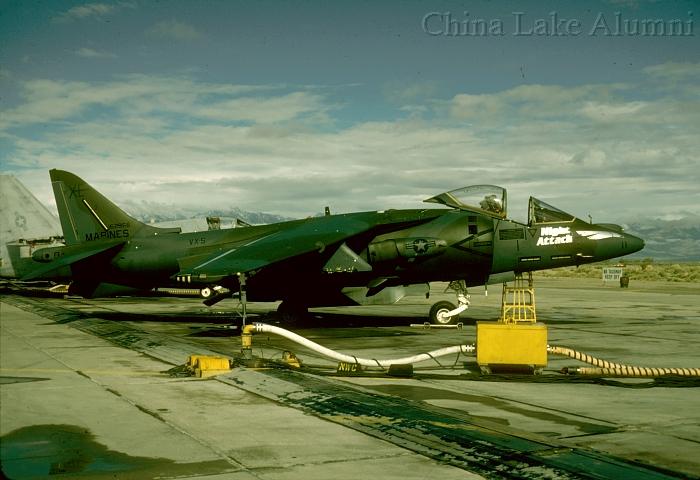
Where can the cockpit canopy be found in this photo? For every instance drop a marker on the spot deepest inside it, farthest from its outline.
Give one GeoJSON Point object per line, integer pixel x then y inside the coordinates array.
{"type": "Point", "coordinates": [490, 199]}
{"type": "Point", "coordinates": [541, 212]}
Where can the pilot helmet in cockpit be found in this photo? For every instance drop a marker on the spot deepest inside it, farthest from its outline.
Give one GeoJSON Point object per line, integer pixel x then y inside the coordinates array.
{"type": "Point", "coordinates": [491, 203]}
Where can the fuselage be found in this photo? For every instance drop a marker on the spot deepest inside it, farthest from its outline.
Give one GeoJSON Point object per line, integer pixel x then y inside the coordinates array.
{"type": "Point", "coordinates": [404, 247]}
{"type": "Point", "coordinates": [317, 261]}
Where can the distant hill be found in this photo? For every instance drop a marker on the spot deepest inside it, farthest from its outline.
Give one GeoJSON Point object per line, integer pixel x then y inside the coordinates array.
{"type": "Point", "coordinates": [158, 213]}
{"type": "Point", "coordinates": [668, 239]}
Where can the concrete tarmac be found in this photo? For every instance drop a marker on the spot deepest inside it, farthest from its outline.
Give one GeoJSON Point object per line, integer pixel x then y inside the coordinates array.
{"type": "Point", "coordinates": [121, 415]}
{"type": "Point", "coordinates": [84, 392]}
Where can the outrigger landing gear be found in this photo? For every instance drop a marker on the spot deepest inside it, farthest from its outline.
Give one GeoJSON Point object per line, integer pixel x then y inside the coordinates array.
{"type": "Point", "coordinates": [446, 313]}
{"type": "Point", "coordinates": [243, 297]}
{"type": "Point", "coordinates": [209, 292]}
{"type": "Point", "coordinates": [241, 307]}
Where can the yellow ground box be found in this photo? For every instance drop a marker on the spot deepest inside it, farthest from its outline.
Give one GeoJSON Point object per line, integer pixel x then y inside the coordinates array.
{"type": "Point", "coordinates": [207, 365]}
{"type": "Point", "coordinates": [500, 343]}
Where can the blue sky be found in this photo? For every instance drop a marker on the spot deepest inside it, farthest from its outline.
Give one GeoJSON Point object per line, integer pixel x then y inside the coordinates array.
{"type": "Point", "coordinates": [289, 106]}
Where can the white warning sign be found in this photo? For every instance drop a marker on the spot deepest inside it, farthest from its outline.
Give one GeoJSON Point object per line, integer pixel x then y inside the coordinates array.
{"type": "Point", "coordinates": [612, 274]}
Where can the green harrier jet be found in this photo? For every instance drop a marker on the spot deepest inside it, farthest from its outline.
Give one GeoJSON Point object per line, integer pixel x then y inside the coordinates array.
{"type": "Point", "coordinates": [349, 259]}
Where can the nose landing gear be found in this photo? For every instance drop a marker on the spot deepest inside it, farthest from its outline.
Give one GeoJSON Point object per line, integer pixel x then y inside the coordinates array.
{"type": "Point", "coordinates": [446, 313]}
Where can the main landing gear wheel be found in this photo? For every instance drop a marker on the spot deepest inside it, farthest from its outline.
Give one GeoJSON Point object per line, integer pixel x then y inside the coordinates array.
{"type": "Point", "coordinates": [292, 313]}
{"type": "Point", "coordinates": [437, 315]}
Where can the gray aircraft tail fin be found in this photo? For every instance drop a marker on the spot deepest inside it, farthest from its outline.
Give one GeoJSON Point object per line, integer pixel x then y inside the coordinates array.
{"type": "Point", "coordinates": [88, 216]}
{"type": "Point", "coordinates": [25, 223]}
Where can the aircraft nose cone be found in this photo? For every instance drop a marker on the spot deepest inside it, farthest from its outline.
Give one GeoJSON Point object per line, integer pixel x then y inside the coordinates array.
{"type": "Point", "coordinates": [634, 244]}
{"type": "Point", "coordinates": [617, 246]}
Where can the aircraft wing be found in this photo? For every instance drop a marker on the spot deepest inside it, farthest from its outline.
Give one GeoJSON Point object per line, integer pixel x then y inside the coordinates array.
{"type": "Point", "coordinates": [73, 254]}
{"type": "Point", "coordinates": [313, 235]}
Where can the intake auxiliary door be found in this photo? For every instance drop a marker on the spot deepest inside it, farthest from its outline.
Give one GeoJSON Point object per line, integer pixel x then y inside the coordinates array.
{"type": "Point", "coordinates": [507, 239]}
{"type": "Point", "coordinates": [480, 234]}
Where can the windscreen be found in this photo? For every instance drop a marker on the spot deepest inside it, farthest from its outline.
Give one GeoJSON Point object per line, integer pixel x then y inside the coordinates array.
{"type": "Point", "coordinates": [541, 212]}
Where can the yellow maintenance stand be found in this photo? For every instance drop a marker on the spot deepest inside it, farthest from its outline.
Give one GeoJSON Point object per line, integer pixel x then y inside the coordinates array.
{"type": "Point", "coordinates": [516, 342]}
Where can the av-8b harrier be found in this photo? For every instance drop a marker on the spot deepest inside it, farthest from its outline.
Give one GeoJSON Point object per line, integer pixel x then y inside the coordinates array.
{"type": "Point", "coordinates": [348, 259]}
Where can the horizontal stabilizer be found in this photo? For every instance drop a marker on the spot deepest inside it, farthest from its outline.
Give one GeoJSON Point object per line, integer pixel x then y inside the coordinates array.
{"type": "Point", "coordinates": [70, 255]}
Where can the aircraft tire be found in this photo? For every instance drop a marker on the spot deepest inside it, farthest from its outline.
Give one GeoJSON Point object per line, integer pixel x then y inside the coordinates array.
{"type": "Point", "coordinates": [442, 307]}
{"type": "Point", "coordinates": [292, 313]}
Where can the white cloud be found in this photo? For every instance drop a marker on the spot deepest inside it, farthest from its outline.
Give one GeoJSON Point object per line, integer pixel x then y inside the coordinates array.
{"type": "Point", "coordinates": [174, 30]}
{"type": "Point", "coordinates": [49, 101]}
{"type": "Point", "coordinates": [466, 106]}
{"type": "Point", "coordinates": [400, 93]}
{"type": "Point", "coordinates": [590, 158]}
{"type": "Point", "coordinates": [612, 112]}
{"type": "Point", "coordinates": [263, 110]}
{"type": "Point", "coordinates": [91, 10]}
{"type": "Point", "coordinates": [529, 101]}
{"type": "Point", "coordinates": [674, 70]}
{"type": "Point", "coordinates": [611, 150]}
{"type": "Point", "coordinates": [92, 53]}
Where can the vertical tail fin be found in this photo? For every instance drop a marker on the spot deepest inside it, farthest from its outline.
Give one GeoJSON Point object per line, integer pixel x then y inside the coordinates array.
{"type": "Point", "coordinates": [87, 216]}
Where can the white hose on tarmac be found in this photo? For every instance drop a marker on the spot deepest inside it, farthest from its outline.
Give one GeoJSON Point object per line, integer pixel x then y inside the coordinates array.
{"type": "Point", "coordinates": [366, 362]}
